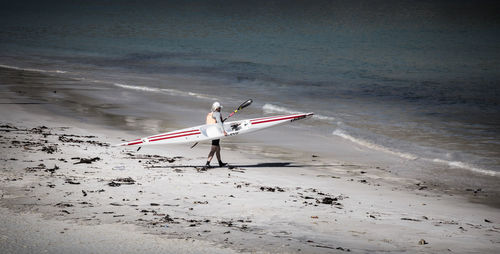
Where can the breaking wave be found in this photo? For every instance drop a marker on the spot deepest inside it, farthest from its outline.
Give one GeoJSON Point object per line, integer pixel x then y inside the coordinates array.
{"type": "Point", "coordinates": [453, 164]}
{"type": "Point", "coordinates": [462, 165]}
{"type": "Point", "coordinates": [370, 145]}
{"type": "Point", "coordinates": [270, 108]}
{"type": "Point", "coordinates": [140, 88]}
{"type": "Point", "coordinates": [168, 91]}
{"type": "Point", "coordinates": [30, 69]}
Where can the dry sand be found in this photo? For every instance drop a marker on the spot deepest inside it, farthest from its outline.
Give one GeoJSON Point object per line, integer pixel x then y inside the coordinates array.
{"type": "Point", "coordinates": [64, 189]}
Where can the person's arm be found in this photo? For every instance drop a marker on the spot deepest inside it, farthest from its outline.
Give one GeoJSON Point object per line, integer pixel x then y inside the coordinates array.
{"type": "Point", "coordinates": [218, 119]}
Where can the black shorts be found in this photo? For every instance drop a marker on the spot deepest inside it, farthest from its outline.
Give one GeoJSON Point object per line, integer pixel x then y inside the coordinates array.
{"type": "Point", "coordinates": [216, 142]}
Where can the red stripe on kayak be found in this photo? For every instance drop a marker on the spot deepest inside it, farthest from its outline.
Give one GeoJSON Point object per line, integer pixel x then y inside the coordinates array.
{"type": "Point", "coordinates": [279, 119]}
{"type": "Point", "coordinates": [274, 117]}
{"type": "Point", "coordinates": [178, 136]}
{"type": "Point", "coordinates": [170, 134]}
{"type": "Point", "coordinates": [134, 143]}
{"type": "Point", "coordinates": [271, 117]}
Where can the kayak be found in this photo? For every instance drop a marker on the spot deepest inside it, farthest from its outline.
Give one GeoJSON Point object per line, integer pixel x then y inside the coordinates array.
{"type": "Point", "coordinates": [212, 131]}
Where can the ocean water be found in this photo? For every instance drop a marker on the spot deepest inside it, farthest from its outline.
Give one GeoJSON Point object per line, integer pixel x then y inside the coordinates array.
{"type": "Point", "coordinates": [418, 80]}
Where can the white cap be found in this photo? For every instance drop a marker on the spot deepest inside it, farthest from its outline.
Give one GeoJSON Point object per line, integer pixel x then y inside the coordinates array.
{"type": "Point", "coordinates": [216, 105]}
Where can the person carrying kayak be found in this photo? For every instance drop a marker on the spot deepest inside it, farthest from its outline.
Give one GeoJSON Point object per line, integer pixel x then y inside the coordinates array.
{"type": "Point", "coordinates": [215, 117]}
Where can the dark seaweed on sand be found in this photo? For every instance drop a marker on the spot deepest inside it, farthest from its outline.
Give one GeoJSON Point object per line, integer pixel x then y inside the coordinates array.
{"type": "Point", "coordinates": [87, 161]}
{"type": "Point", "coordinates": [119, 181]}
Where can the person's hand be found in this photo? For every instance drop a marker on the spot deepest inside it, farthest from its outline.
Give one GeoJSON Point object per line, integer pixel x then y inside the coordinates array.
{"type": "Point", "coordinates": [225, 133]}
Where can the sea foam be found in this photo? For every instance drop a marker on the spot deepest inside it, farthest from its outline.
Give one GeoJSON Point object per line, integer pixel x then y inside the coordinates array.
{"type": "Point", "coordinates": [31, 69]}
{"type": "Point", "coordinates": [345, 135]}
{"type": "Point", "coordinates": [140, 88]}
{"type": "Point", "coordinates": [270, 108]}
{"type": "Point", "coordinates": [168, 91]}
{"type": "Point", "coordinates": [463, 165]}
{"type": "Point", "coordinates": [452, 164]}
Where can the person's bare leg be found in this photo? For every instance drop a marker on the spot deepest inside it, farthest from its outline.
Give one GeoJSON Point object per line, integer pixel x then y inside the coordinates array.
{"type": "Point", "coordinates": [211, 154]}
{"type": "Point", "coordinates": [221, 164]}
{"type": "Point", "coordinates": [217, 153]}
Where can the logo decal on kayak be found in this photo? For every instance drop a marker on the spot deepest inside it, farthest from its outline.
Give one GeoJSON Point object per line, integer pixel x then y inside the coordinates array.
{"type": "Point", "coordinates": [298, 118]}
{"type": "Point", "coordinates": [236, 126]}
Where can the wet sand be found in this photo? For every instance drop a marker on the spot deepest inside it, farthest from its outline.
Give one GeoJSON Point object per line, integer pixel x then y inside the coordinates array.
{"type": "Point", "coordinates": [62, 185]}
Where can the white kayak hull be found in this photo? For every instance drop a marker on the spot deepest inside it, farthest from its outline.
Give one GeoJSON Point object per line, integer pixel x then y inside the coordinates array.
{"type": "Point", "coordinates": [212, 131]}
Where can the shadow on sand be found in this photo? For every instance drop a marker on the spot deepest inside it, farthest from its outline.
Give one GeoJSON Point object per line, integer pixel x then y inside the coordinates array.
{"type": "Point", "coordinates": [258, 165]}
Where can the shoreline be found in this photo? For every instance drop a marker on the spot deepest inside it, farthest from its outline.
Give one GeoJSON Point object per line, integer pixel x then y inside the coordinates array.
{"type": "Point", "coordinates": [169, 106]}
{"type": "Point", "coordinates": [263, 204]}
{"type": "Point", "coordinates": [46, 101]}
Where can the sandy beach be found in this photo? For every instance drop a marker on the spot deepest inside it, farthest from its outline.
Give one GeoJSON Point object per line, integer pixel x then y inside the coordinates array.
{"type": "Point", "coordinates": [65, 188]}
{"type": "Point", "coordinates": [401, 154]}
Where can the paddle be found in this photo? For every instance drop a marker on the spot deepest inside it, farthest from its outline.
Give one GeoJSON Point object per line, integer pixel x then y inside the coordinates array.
{"type": "Point", "coordinates": [242, 106]}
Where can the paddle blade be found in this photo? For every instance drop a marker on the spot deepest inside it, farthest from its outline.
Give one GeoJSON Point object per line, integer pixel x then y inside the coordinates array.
{"type": "Point", "coordinates": [245, 104]}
